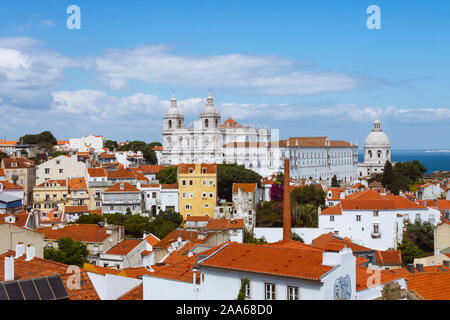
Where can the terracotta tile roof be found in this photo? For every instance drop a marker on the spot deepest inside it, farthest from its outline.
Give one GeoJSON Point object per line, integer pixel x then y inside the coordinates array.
{"type": "Point", "coordinates": [197, 218]}
{"type": "Point", "coordinates": [76, 209]}
{"type": "Point", "coordinates": [97, 212]}
{"type": "Point", "coordinates": [62, 142]}
{"type": "Point", "coordinates": [10, 186]}
{"type": "Point", "coordinates": [7, 143]}
{"type": "Point", "coordinates": [360, 261]}
{"type": "Point", "coordinates": [149, 185]}
{"type": "Point", "coordinates": [230, 123]}
{"type": "Point", "coordinates": [335, 210]}
{"type": "Point", "coordinates": [38, 267]}
{"type": "Point", "coordinates": [2, 172]}
{"type": "Point", "coordinates": [124, 247]}
{"type": "Point", "coordinates": [158, 148]}
{"type": "Point", "coordinates": [60, 183]}
{"type": "Point", "coordinates": [292, 244]}
{"type": "Point", "coordinates": [151, 169]}
{"type": "Point", "coordinates": [431, 286]}
{"type": "Point", "coordinates": [363, 274]}
{"type": "Point", "coordinates": [51, 216]}
{"type": "Point", "coordinates": [97, 172]}
{"type": "Point", "coordinates": [183, 168]}
{"type": "Point", "coordinates": [170, 186]}
{"type": "Point", "coordinates": [134, 294]}
{"type": "Point", "coordinates": [180, 271]}
{"type": "Point", "coordinates": [21, 218]}
{"type": "Point", "coordinates": [122, 187]}
{"type": "Point", "coordinates": [78, 232]}
{"type": "Point", "coordinates": [17, 163]}
{"type": "Point", "coordinates": [121, 174]}
{"type": "Point", "coordinates": [389, 257]}
{"type": "Point", "coordinates": [331, 242]}
{"type": "Point", "coordinates": [224, 224]}
{"type": "Point", "coordinates": [83, 154]}
{"type": "Point", "coordinates": [172, 236]}
{"type": "Point", "coordinates": [152, 239]}
{"type": "Point", "coordinates": [105, 155]}
{"type": "Point", "coordinates": [77, 184]}
{"type": "Point", "coordinates": [246, 187]}
{"type": "Point", "coordinates": [269, 260]}
{"type": "Point", "coordinates": [100, 270]}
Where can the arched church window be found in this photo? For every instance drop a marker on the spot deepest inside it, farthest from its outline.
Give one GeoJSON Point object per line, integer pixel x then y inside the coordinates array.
{"type": "Point", "coordinates": [370, 153]}
{"type": "Point", "coordinates": [179, 123]}
{"type": "Point", "coordinates": [206, 123]}
{"type": "Point", "coordinates": [170, 124]}
{"type": "Point", "coordinates": [217, 123]}
{"type": "Point", "coordinates": [379, 153]}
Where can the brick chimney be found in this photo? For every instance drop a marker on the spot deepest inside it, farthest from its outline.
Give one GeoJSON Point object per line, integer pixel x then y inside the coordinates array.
{"type": "Point", "coordinates": [286, 203]}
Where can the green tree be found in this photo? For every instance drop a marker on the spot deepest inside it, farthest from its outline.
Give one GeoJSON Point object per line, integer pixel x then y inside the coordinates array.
{"type": "Point", "coordinates": [244, 284]}
{"type": "Point", "coordinates": [3, 155]}
{"type": "Point", "coordinates": [296, 237]}
{"type": "Point", "coordinates": [89, 219]}
{"type": "Point", "coordinates": [227, 174]}
{"type": "Point", "coordinates": [250, 238]}
{"type": "Point", "coordinates": [388, 175]}
{"type": "Point", "coordinates": [162, 227]}
{"type": "Point", "coordinates": [69, 252]}
{"type": "Point", "coordinates": [410, 252]}
{"type": "Point", "coordinates": [111, 145]}
{"type": "Point", "coordinates": [44, 136]}
{"type": "Point", "coordinates": [400, 183]}
{"type": "Point", "coordinates": [135, 225]}
{"type": "Point", "coordinates": [421, 235]}
{"type": "Point", "coordinates": [305, 215]}
{"type": "Point", "coordinates": [334, 182]}
{"type": "Point", "coordinates": [269, 214]}
{"type": "Point", "coordinates": [171, 216]}
{"type": "Point", "coordinates": [168, 175]}
{"type": "Point", "coordinates": [58, 153]}
{"type": "Point", "coordinates": [309, 194]}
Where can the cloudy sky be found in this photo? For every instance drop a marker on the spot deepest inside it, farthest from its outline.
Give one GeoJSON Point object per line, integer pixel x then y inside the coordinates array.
{"type": "Point", "coordinates": [306, 68]}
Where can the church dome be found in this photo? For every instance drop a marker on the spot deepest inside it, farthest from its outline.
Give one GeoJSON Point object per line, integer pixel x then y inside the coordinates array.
{"type": "Point", "coordinates": [377, 138]}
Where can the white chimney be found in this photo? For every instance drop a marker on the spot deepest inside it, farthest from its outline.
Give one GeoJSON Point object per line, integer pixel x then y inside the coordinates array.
{"type": "Point", "coordinates": [31, 252]}
{"type": "Point", "coordinates": [20, 249]}
{"type": "Point", "coordinates": [9, 268]}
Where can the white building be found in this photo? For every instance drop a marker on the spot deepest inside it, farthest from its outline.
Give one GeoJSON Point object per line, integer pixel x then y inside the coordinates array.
{"type": "Point", "coordinates": [120, 197]}
{"type": "Point", "coordinates": [275, 272]}
{"type": "Point", "coordinates": [374, 221]}
{"type": "Point", "coordinates": [377, 150]}
{"type": "Point", "coordinates": [60, 168]}
{"type": "Point", "coordinates": [87, 143]}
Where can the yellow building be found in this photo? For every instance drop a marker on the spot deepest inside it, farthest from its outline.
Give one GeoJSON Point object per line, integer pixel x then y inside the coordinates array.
{"type": "Point", "coordinates": [197, 189]}
{"type": "Point", "coordinates": [50, 195]}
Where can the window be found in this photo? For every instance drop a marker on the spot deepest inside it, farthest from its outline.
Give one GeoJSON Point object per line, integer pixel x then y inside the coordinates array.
{"type": "Point", "coordinates": [376, 229]}
{"type": "Point", "coordinates": [47, 170]}
{"type": "Point", "coordinates": [98, 204]}
{"type": "Point", "coordinates": [331, 218]}
{"type": "Point", "coordinates": [183, 182]}
{"type": "Point", "coordinates": [418, 218]}
{"type": "Point", "coordinates": [204, 195]}
{"type": "Point", "coordinates": [270, 291]}
{"type": "Point", "coordinates": [111, 208]}
{"type": "Point", "coordinates": [191, 195]}
{"type": "Point", "coordinates": [188, 207]}
{"type": "Point", "coordinates": [191, 170]}
{"type": "Point", "coordinates": [153, 195]}
{"type": "Point", "coordinates": [191, 182]}
{"type": "Point", "coordinates": [211, 182]}
{"type": "Point", "coordinates": [61, 170]}
{"type": "Point", "coordinates": [204, 170]}
{"type": "Point", "coordinates": [246, 288]}
{"type": "Point", "coordinates": [292, 293]}
{"type": "Point", "coordinates": [206, 205]}
{"type": "Point", "coordinates": [358, 218]}
{"type": "Point", "coordinates": [211, 195]}
{"type": "Point", "coordinates": [183, 195]}
{"type": "Point", "coordinates": [375, 213]}
{"type": "Point", "coordinates": [204, 182]}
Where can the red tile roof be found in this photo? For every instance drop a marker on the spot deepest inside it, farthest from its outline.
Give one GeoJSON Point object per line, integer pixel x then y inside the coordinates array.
{"type": "Point", "coordinates": [77, 184]}
{"type": "Point", "coordinates": [121, 174]}
{"type": "Point", "coordinates": [230, 123]}
{"type": "Point", "coordinates": [38, 267]}
{"type": "Point", "coordinates": [134, 294]}
{"type": "Point", "coordinates": [180, 271]}
{"type": "Point", "coordinates": [78, 232]}
{"type": "Point", "coordinates": [105, 155]}
{"type": "Point", "coordinates": [183, 168]}
{"type": "Point", "coordinates": [76, 209]}
{"type": "Point", "coordinates": [10, 186]}
{"type": "Point", "coordinates": [97, 172]}
{"type": "Point", "coordinates": [126, 188]}
{"type": "Point", "coordinates": [152, 239]}
{"type": "Point", "coordinates": [60, 183]}
{"type": "Point", "coordinates": [431, 286]}
{"type": "Point", "coordinates": [173, 236]}
{"type": "Point", "coordinates": [151, 169]}
{"type": "Point", "coordinates": [246, 187]}
{"type": "Point", "coordinates": [158, 148]}
{"type": "Point", "coordinates": [389, 257]}
{"type": "Point", "coordinates": [330, 242]}
{"type": "Point", "coordinates": [269, 260]}
{"type": "Point", "coordinates": [363, 274]}
{"type": "Point", "coordinates": [17, 163]}
{"type": "Point", "coordinates": [170, 186]}
{"type": "Point", "coordinates": [125, 247]}
{"type": "Point", "coordinates": [292, 244]}
{"type": "Point", "coordinates": [21, 218]}
{"type": "Point", "coordinates": [224, 224]}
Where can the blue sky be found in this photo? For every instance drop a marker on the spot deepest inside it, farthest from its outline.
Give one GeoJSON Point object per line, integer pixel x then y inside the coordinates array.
{"type": "Point", "coordinates": [308, 68]}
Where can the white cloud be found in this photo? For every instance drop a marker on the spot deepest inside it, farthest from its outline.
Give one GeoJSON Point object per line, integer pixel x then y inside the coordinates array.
{"type": "Point", "coordinates": [272, 75]}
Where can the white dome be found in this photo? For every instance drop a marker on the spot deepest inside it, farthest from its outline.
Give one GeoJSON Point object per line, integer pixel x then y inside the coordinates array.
{"type": "Point", "coordinates": [377, 137]}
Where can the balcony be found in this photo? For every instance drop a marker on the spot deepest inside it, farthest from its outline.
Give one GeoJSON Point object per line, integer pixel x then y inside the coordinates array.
{"type": "Point", "coordinates": [376, 235]}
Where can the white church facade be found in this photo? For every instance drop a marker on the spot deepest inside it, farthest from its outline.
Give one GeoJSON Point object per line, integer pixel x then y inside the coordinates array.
{"type": "Point", "coordinates": [258, 149]}
{"type": "Point", "coordinates": [377, 151]}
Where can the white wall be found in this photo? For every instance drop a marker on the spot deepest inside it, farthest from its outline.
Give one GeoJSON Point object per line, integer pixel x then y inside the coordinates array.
{"type": "Point", "coordinates": [276, 234]}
